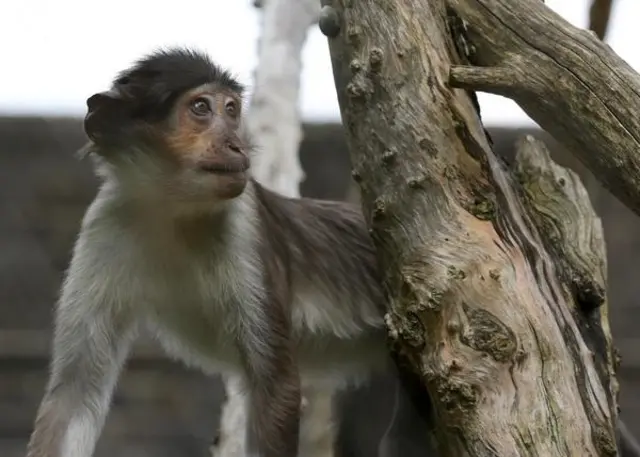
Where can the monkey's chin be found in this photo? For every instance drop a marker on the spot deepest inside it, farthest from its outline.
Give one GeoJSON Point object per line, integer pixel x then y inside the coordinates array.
{"type": "Point", "coordinates": [230, 185]}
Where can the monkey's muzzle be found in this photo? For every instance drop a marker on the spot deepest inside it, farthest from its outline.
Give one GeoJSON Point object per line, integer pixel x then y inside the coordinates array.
{"type": "Point", "coordinates": [224, 167]}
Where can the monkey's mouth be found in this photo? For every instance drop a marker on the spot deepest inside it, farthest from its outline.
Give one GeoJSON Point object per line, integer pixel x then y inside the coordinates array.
{"type": "Point", "coordinates": [224, 168]}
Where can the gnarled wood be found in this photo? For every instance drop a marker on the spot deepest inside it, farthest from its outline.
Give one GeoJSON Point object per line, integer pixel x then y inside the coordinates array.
{"type": "Point", "coordinates": [560, 208]}
{"type": "Point", "coordinates": [572, 84]}
{"type": "Point", "coordinates": [475, 304]}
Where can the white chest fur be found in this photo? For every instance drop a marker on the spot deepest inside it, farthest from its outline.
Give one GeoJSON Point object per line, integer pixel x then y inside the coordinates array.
{"type": "Point", "coordinates": [193, 311]}
{"type": "Point", "coordinates": [187, 292]}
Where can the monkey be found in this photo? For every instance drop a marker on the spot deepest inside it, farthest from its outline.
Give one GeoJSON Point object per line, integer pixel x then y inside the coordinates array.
{"type": "Point", "coordinates": [229, 277]}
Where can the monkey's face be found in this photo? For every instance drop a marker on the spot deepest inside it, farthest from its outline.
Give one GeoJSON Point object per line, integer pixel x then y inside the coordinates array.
{"type": "Point", "coordinates": [170, 127]}
{"type": "Point", "coordinates": [191, 151]}
{"type": "Point", "coordinates": [202, 140]}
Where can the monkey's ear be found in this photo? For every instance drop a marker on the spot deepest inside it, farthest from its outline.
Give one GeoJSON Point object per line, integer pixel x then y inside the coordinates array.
{"type": "Point", "coordinates": [107, 113]}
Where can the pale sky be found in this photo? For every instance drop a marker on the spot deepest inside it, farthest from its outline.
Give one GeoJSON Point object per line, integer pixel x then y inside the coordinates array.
{"type": "Point", "coordinates": [55, 53]}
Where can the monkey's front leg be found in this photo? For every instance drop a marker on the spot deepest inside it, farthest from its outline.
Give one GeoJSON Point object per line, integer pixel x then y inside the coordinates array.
{"type": "Point", "coordinates": [89, 348]}
{"type": "Point", "coordinates": [273, 382]}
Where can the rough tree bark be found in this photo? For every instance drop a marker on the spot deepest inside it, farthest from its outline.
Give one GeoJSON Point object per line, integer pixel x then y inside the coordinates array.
{"type": "Point", "coordinates": [560, 209]}
{"type": "Point", "coordinates": [274, 124]}
{"type": "Point", "coordinates": [507, 330]}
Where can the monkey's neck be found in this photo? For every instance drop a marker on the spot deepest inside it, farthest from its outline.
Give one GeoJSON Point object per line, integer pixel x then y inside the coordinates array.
{"type": "Point", "coordinates": [159, 216]}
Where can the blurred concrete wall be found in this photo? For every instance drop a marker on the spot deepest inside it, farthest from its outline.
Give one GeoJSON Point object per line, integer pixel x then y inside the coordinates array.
{"type": "Point", "coordinates": [161, 409]}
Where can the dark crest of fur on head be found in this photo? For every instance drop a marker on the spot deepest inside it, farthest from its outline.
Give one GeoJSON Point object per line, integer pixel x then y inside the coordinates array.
{"type": "Point", "coordinates": [147, 91]}
{"type": "Point", "coordinates": [156, 80]}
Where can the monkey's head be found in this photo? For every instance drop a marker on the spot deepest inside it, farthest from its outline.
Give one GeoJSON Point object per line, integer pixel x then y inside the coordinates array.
{"type": "Point", "coordinates": [173, 122]}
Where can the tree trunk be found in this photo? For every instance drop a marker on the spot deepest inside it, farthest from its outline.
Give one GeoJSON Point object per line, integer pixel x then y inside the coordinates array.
{"type": "Point", "coordinates": [274, 124]}
{"type": "Point", "coordinates": [496, 288]}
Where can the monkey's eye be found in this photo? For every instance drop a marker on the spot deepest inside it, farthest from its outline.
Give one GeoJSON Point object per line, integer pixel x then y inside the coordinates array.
{"type": "Point", "coordinates": [231, 107]}
{"type": "Point", "coordinates": [201, 107]}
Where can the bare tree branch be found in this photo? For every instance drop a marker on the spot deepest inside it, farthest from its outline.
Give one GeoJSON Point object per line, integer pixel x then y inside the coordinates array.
{"type": "Point", "coordinates": [568, 81]}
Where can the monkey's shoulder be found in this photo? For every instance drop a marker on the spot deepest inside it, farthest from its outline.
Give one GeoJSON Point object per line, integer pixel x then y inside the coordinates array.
{"type": "Point", "coordinates": [313, 222]}
{"type": "Point", "coordinates": [334, 275]}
